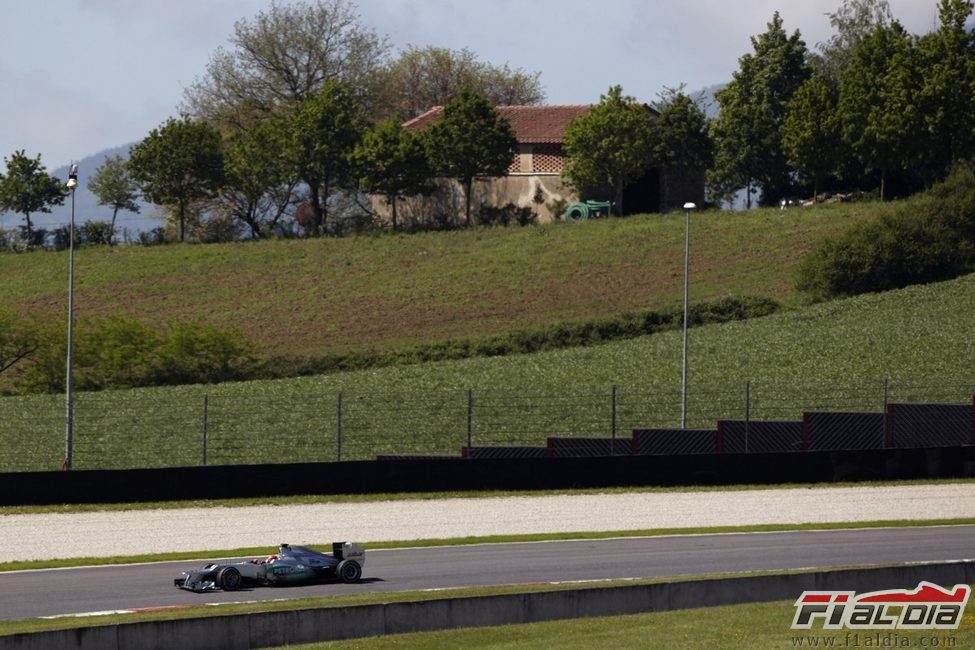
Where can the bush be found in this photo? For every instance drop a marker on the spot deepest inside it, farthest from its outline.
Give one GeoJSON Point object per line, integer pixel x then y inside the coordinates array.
{"type": "Point", "coordinates": [98, 233]}
{"type": "Point", "coordinates": [121, 353]}
{"type": "Point", "coordinates": [554, 337]}
{"type": "Point", "coordinates": [505, 216]}
{"type": "Point", "coordinates": [930, 238]}
{"type": "Point", "coordinates": [202, 354]}
{"type": "Point", "coordinates": [155, 237]}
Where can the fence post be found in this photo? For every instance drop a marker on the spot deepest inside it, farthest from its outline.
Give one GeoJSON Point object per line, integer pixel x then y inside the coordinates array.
{"type": "Point", "coordinates": [470, 419]}
{"type": "Point", "coordinates": [206, 427]}
{"type": "Point", "coordinates": [884, 437]}
{"type": "Point", "coordinates": [612, 448]}
{"type": "Point", "coordinates": [338, 431]}
{"type": "Point", "coordinates": [748, 404]}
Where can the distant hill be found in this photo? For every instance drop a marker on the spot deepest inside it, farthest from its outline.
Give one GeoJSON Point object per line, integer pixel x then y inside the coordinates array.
{"type": "Point", "coordinates": [86, 203]}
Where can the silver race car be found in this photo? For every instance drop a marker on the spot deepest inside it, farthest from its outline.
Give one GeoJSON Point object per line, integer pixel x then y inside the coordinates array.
{"type": "Point", "coordinates": [291, 565]}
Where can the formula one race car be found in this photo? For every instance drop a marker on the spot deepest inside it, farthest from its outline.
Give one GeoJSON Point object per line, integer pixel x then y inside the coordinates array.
{"type": "Point", "coordinates": [291, 565]}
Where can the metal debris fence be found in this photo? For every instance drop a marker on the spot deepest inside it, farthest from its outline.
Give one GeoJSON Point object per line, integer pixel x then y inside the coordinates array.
{"type": "Point", "coordinates": [118, 430]}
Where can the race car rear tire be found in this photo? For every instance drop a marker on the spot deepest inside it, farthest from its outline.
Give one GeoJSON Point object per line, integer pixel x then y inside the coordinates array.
{"type": "Point", "coordinates": [348, 571]}
{"type": "Point", "coordinates": [228, 578]}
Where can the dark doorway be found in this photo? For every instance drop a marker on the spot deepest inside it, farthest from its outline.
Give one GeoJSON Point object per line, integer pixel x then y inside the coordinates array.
{"type": "Point", "coordinates": [643, 195]}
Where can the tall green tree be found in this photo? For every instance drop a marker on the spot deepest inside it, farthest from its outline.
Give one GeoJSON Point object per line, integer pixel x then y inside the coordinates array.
{"type": "Point", "coordinates": [113, 187]}
{"type": "Point", "coordinates": [27, 188]}
{"type": "Point", "coordinates": [746, 133]}
{"type": "Point", "coordinates": [320, 137]}
{"type": "Point", "coordinates": [421, 78]}
{"type": "Point", "coordinates": [947, 60]}
{"type": "Point", "coordinates": [284, 56]}
{"type": "Point", "coordinates": [853, 21]}
{"type": "Point", "coordinates": [178, 164]}
{"type": "Point", "coordinates": [392, 161]}
{"type": "Point", "coordinates": [811, 132]}
{"type": "Point", "coordinates": [610, 146]}
{"type": "Point", "coordinates": [878, 104]}
{"type": "Point", "coordinates": [679, 138]}
{"type": "Point", "coordinates": [259, 183]}
{"type": "Point", "coordinates": [470, 140]}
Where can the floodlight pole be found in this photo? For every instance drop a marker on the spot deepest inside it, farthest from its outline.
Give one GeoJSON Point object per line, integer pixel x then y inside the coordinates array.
{"type": "Point", "coordinates": [683, 366]}
{"type": "Point", "coordinates": [68, 404]}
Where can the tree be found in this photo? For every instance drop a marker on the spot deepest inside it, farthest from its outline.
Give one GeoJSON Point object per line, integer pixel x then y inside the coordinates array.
{"type": "Point", "coordinates": [947, 60]}
{"type": "Point", "coordinates": [878, 108]}
{"type": "Point", "coordinates": [258, 186]}
{"type": "Point", "coordinates": [321, 135]}
{"type": "Point", "coordinates": [753, 105]}
{"type": "Point", "coordinates": [470, 140]}
{"type": "Point", "coordinates": [392, 161]}
{"type": "Point", "coordinates": [610, 146]}
{"type": "Point", "coordinates": [27, 188]}
{"type": "Point", "coordinates": [811, 131]}
{"type": "Point", "coordinates": [425, 77]}
{"type": "Point", "coordinates": [284, 56]}
{"type": "Point", "coordinates": [178, 164]}
{"type": "Point", "coordinates": [679, 137]}
{"type": "Point", "coordinates": [113, 187]}
{"type": "Point", "coordinates": [852, 22]}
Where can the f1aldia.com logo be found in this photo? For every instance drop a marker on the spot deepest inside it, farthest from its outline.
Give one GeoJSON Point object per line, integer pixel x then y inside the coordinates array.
{"type": "Point", "coordinates": [929, 607]}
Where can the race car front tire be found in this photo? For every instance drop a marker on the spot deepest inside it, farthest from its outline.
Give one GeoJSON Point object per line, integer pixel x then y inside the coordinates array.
{"type": "Point", "coordinates": [348, 571]}
{"type": "Point", "coordinates": [228, 578]}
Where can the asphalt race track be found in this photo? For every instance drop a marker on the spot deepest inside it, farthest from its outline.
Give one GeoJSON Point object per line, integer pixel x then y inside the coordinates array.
{"type": "Point", "coordinates": [28, 594]}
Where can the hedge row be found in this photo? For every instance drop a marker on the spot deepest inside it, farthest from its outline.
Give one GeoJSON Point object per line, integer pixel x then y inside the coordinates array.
{"type": "Point", "coordinates": [553, 337]}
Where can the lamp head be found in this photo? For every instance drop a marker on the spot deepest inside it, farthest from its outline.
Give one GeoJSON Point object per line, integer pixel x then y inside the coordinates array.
{"type": "Point", "coordinates": [73, 176]}
{"type": "Point", "coordinates": [690, 206]}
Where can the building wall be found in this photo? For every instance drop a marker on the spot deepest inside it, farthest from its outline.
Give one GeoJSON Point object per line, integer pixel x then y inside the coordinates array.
{"type": "Point", "coordinates": [534, 181]}
{"type": "Point", "coordinates": [446, 204]}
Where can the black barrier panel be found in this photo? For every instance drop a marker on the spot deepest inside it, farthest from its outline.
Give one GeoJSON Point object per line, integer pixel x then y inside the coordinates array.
{"type": "Point", "coordinates": [833, 430]}
{"type": "Point", "coordinates": [588, 447]}
{"type": "Point", "coordinates": [929, 425]}
{"type": "Point", "coordinates": [669, 442]}
{"type": "Point", "coordinates": [505, 452]}
{"type": "Point", "coordinates": [759, 436]}
{"type": "Point", "coordinates": [439, 475]}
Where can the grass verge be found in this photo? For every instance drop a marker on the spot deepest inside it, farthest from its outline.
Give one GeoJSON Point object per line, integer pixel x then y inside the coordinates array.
{"type": "Point", "coordinates": [728, 627]}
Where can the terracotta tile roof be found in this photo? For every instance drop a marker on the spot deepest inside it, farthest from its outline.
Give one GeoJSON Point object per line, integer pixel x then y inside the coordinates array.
{"type": "Point", "coordinates": [531, 124]}
{"type": "Point", "coordinates": [421, 122]}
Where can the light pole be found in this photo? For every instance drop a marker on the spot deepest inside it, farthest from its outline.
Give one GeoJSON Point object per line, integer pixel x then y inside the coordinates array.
{"type": "Point", "coordinates": [683, 363]}
{"type": "Point", "coordinates": [68, 405]}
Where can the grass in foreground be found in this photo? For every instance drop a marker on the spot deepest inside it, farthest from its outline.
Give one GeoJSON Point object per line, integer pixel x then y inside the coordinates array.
{"type": "Point", "coordinates": [764, 626]}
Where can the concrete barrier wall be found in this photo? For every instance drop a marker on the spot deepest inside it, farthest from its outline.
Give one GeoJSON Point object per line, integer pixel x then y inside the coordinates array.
{"type": "Point", "coordinates": [326, 624]}
{"type": "Point", "coordinates": [437, 475]}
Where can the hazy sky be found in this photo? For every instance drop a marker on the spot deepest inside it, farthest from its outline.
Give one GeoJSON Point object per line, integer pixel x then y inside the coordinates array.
{"type": "Point", "coordinates": [80, 76]}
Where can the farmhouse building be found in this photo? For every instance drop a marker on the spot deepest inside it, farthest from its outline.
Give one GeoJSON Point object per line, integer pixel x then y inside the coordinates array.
{"type": "Point", "coordinates": [534, 178]}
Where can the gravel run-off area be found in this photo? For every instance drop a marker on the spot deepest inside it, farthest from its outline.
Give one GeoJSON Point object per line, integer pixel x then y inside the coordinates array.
{"type": "Point", "coordinates": [134, 532]}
